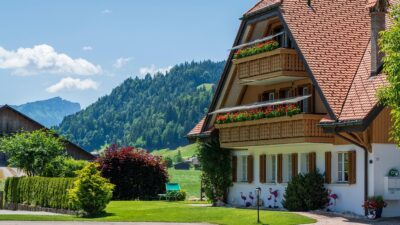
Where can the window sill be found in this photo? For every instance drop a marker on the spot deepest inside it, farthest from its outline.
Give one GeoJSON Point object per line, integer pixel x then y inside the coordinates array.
{"type": "Point", "coordinates": [340, 184]}
{"type": "Point", "coordinates": [242, 182]}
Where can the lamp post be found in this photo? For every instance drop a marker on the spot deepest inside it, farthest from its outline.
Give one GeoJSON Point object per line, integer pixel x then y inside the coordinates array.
{"type": "Point", "coordinates": [258, 193]}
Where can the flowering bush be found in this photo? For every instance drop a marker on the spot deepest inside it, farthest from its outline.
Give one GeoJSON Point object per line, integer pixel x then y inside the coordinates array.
{"type": "Point", "coordinates": [374, 203]}
{"type": "Point", "coordinates": [257, 49]}
{"type": "Point", "coordinates": [136, 173]}
{"type": "Point", "coordinates": [268, 112]}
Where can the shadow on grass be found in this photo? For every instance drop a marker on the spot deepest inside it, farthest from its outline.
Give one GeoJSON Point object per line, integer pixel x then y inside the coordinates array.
{"type": "Point", "coordinates": [103, 215]}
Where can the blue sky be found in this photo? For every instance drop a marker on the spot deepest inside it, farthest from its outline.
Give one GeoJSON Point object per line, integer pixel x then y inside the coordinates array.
{"type": "Point", "coordinates": [80, 50]}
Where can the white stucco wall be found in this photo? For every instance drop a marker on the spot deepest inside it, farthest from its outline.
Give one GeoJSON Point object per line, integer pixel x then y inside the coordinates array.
{"type": "Point", "coordinates": [384, 157]}
{"type": "Point", "coordinates": [350, 196]}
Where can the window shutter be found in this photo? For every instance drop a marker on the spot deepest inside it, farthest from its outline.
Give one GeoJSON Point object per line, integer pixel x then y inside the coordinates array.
{"type": "Point", "coordinates": [234, 168]}
{"type": "Point", "coordinates": [294, 164]}
{"type": "Point", "coordinates": [328, 167]}
{"type": "Point", "coordinates": [312, 158]}
{"type": "Point", "coordinates": [279, 178]}
{"type": "Point", "coordinates": [352, 167]}
{"type": "Point", "coordinates": [263, 159]}
{"type": "Point", "coordinates": [250, 174]}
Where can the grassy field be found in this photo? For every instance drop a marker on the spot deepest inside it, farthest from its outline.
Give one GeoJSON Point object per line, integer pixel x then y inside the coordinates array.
{"type": "Point", "coordinates": [186, 151]}
{"type": "Point", "coordinates": [157, 211]}
{"type": "Point", "coordinates": [189, 180]}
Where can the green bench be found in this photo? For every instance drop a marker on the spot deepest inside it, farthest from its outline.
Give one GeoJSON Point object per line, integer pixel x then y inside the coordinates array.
{"type": "Point", "coordinates": [169, 187]}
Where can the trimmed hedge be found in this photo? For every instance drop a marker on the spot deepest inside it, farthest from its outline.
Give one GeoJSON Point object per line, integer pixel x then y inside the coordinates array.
{"type": "Point", "coordinates": [39, 191]}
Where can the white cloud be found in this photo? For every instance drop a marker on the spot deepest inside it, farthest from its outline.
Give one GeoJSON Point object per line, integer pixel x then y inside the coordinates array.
{"type": "Point", "coordinates": [120, 62]}
{"type": "Point", "coordinates": [87, 48]}
{"type": "Point", "coordinates": [43, 58]}
{"type": "Point", "coordinates": [70, 83]}
{"type": "Point", "coordinates": [106, 11]}
{"type": "Point", "coordinates": [152, 70]}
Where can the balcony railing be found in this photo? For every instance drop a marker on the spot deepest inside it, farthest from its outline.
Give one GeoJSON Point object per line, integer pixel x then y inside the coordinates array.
{"type": "Point", "coordinates": [301, 128]}
{"type": "Point", "coordinates": [279, 63]}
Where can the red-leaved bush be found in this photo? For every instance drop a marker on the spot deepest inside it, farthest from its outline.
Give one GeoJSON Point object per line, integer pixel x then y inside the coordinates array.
{"type": "Point", "coordinates": [135, 173]}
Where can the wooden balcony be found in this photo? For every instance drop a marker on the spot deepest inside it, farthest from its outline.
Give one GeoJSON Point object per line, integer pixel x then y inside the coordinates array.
{"type": "Point", "coordinates": [279, 65]}
{"type": "Point", "coordinates": [301, 128]}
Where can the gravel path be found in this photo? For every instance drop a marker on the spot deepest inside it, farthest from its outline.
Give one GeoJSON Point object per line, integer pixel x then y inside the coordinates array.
{"type": "Point", "coordinates": [328, 219]}
{"type": "Point", "coordinates": [21, 212]}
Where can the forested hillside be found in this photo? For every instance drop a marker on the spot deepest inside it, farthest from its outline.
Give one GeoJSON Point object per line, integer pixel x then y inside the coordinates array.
{"type": "Point", "coordinates": [153, 112]}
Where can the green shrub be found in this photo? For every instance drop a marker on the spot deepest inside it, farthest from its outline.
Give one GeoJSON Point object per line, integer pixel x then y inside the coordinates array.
{"type": "Point", "coordinates": [38, 191]}
{"type": "Point", "coordinates": [176, 195]}
{"type": "Point", "coordinates": [72, 166]}
{"type": "Point", "coordinates": [306, 192]}
{"type": "Point", "coordinates": [91, 192]}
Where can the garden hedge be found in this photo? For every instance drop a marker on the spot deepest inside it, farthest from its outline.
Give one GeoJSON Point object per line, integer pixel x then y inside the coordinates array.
{"type": "Point", "coordinates": [39, 191]}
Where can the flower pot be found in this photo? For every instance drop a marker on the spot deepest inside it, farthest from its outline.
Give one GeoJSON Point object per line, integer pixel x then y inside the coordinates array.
{"type": "Point", "coordinates": [378, 213]}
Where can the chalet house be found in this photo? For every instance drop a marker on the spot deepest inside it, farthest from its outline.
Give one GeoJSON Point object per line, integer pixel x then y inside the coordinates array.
{"type": "Point", "coordinates": [298, 94]}
{"type": "Point", "coordinates": [12, 121]}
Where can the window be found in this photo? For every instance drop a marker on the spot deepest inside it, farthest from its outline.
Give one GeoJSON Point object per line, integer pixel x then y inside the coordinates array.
{"type": "Point", "coordinates": [284, 93]}
{"type": "Point", "coordinates": [343, 167]}
{"type": "Point", "coordinates": [242, 168]}
{"type": "Point", "coordinates": [268, 96]}
{"type": "Point", "coordinates": [304, 163]}
{"type": "Point", "coordinates": [271, 168]}
{"type": "Point", "coordinates": [305, 104]}
{"type": "Point", "coordinates": [287, 168]}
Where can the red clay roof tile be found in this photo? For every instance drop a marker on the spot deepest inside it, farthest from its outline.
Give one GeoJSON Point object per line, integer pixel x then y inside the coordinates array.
{"type": "Point", "coordinates": [197, 129]}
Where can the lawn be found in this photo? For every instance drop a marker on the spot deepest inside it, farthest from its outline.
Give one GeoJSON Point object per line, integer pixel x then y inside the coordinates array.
{"type": "Point", "coordinates": [158, 211]}
{"type": "Point", "coordinates": [189, 180]}
{"type": "Point", "coordinates": [186, 151]}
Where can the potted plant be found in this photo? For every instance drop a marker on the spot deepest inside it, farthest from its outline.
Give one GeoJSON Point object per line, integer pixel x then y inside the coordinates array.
{"type": "Point", "coordinates": [374, 205]}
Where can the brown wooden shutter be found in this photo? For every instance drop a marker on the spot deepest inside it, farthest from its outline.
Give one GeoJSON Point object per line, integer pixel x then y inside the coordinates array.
{"type": "Point", "coordinates": [328, 167]}
{"type": "Point", "coordinates": [352, 167]}
{"type": "Point", "coordinates": [279, 178]}
{"type": "Point", "coordinates": [312, 161]}
{"type": "Point", "coordinates": [250, 172]}
{"type": "Point", "coordinates": [294, 164]}
{"type": "Point", "coordinates": [263, 177]}
{"type": "Point", "coordinates": [234, 168]}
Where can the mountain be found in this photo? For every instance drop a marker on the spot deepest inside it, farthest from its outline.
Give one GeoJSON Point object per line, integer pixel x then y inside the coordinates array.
{"type": "Point", "coordinates": [155, 112]}
{"type": "Point", "coordinates": [49, 112]}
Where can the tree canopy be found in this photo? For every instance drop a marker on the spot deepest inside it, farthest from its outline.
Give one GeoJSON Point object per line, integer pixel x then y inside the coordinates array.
{"type": "Point", "coordinates": [390, 94]}
{"type": "Point", "coordinates": [34, 152]}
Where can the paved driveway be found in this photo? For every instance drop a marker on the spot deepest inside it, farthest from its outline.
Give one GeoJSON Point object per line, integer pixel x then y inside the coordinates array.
{"type": "Point", "coordinates": [328, 219]}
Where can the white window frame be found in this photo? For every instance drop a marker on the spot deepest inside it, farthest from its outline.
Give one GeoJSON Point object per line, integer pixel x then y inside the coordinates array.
{"type": "Point", "coordinates": [271, 168]}
{"type": "Point", "coordinates": [242, 168]}
{"type": "Point", "coordinates": [271, 96]}
{"type": "Point", "coordinates": [304, 163]}
{"type": "Point", "coordinates": [341, 167]}
{"type": "Point", "coordinates": [287, 168]}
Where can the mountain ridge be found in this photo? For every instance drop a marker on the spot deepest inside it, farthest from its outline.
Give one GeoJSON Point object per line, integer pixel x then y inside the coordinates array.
{"type": "Point", "coordinates": [49, 112]}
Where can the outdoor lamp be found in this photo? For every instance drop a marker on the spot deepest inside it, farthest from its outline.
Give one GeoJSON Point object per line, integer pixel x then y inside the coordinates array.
{"type": "Point", "coordinates": [258, 194]}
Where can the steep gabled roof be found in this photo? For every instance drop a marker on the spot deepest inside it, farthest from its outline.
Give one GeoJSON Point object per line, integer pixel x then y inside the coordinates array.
{"type": "Point", "coordinates": [361, 98]}
{"type": "Point", "coordinates": [332, 38]}
{"type": "Point", "coordinates": [88, 155]}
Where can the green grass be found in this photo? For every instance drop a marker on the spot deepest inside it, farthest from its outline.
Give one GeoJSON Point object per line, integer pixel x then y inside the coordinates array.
{"type": "Point", "coordinates": [141, 211]}
{"type": "Point", "coordinates": [189, 180]}
{"type": "Point", "coordinates": [186, 151]}
{"type": "Point", "coordinates": [207, 86]}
